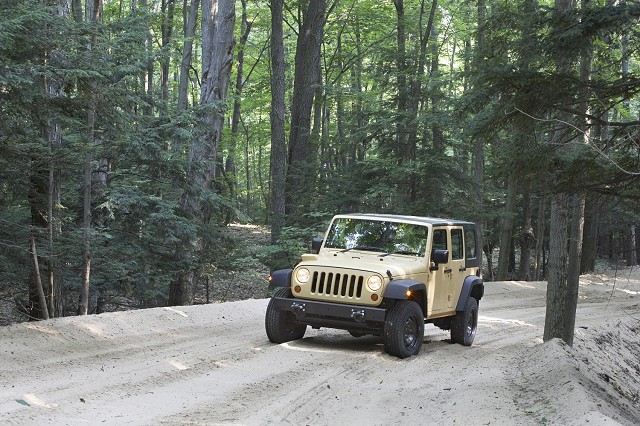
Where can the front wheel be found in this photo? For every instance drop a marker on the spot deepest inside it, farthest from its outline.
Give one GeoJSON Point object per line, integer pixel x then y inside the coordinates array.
{"type": "Point", "coordinates": [465, 323]}
{"type": "Point", "coordinates": [281, 326]}
{"type": "Point", "coordinates": [404, 329]}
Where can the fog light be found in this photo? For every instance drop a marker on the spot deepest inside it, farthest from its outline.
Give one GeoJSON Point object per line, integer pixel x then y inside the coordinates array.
{"type": "Point", "coordinates": [408, 293]}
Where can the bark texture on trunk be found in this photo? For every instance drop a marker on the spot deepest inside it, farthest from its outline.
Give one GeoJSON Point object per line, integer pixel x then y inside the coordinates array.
{"type": "Point", "coordinates": [278, 149]}
{"type": "Point", "coordinates": [306, 79]}
{"type": "Point", "coordinates": [218, 20]}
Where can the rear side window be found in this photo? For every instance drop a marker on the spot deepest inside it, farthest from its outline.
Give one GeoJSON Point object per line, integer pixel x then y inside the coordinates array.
{"type": "Point", "coordinates": [470, 241]}
{"type": "Point", "coordinates": [457, 248]}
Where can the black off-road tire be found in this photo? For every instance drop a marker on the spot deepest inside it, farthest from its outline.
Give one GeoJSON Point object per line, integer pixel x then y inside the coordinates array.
{"type": "Point", "coordinates": [465, 323]}
{"type": "Point", "coordinates": [281, 326]}
{"type": "Point", "coordinates": [404, 329]}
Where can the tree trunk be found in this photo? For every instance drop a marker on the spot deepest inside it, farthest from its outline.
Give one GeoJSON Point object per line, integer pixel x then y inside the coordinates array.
{"type": "Point", "coordinates": [44, 312]}
{"type": "Point", "coordinates": [506, 230]}
{"type": "Point", "coordinates": [230, 164]}
{"type": "Point", "coordinates": [527, 238]}
{"type": "Point", "coordinates": [557, 286]}
{"type": "Point", "coordinates": [167, 8]}
{"type": "Point", "coordinates": [478, 142]}
{"type": "Point", "coordinates": [573, 272]}
{"type": "Point", "coordinates": [557, 278]}
{"type": "Point", "coordinates": [590, 236]}
{"type": "Point", "coordinates": [218, 19]}
{"type": "Point", "coordinates": [401, 67]}
{"type": "Point", "coordinates": [185, 64]}
{"type": "Point", "coordinates": [540, 237]}
{"type": "Point", "coordinates": [94, 14]}
{"type": "Point", "coordinates": [278, 149]}
{"type": "Point", "coordinates": [306, 79]}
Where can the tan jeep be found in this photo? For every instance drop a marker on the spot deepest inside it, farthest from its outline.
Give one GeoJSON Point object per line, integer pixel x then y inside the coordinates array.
{"type": "Point", "coordinates": [385, 275]}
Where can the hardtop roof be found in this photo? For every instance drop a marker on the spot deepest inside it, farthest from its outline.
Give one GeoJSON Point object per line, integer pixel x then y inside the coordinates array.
{"type": "Point", "coordinates": [406, 218]}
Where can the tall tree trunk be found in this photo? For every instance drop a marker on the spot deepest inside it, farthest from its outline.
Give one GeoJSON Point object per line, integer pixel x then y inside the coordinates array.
{"type": "Point", "coordinates": [590, 237]}
{"type": "Point", "coordinates": [167, 8]}
{"type": "Point", "coordinates": [218, 20]}
{"type": "Point", "coordinates": [506, 230]}
{"type": "Point", "coordinates": [401, 72]}
{"type": "Point", "coordinates": [540, 238]}
{"type": "Point", "coordinates": [93, 13]}
{"type": "Point", "coordinates": [306, 79]}
{"type": "Point", "coordinates": [573, 271]}
{"type": "Point", "coordinates": [147, 77]}
{"type": "Point", "coordinates": [527, 237]}
{"type": "Point", "coordinates": [278, 149]}
{"type": "Point", "coordinates": [230, 164]}
{"type": "Point", "coordinates": [477, 145]}
{"type": "Point", "coordinates": [563, 281]}
{"type": "Point", "coordinates": [187, 50]}
{"type": "Point", "coordinates": [557, 276]}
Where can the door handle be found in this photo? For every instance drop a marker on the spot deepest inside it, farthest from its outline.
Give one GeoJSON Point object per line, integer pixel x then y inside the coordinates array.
{"type": "Point", "coordinates": [448, 270]}
{"type": "Point", "coordinates": [462, 269]}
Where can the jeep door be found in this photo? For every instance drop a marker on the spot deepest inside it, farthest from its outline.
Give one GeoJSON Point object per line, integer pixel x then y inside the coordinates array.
{"type": "Point", "coordinates": [456, 265]}
{"type": "Point", "coordinates": [446, 281]}
{"type": "Point", "coordinates": [439, 278]}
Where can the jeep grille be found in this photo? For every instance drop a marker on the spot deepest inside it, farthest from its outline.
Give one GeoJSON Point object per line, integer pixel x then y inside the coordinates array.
{"type": "Point", "coordinates": [332, 284]}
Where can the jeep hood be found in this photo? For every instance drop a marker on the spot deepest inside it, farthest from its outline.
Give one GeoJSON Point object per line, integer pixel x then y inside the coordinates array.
{"type": "Point", "coordinates": [397, 265]}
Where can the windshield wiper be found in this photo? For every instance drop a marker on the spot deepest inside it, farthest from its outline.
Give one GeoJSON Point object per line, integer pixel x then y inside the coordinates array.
{"type": "Point", "coordinates": [366, 248]}
{"type": "Point", "coordinates": [406, 252]}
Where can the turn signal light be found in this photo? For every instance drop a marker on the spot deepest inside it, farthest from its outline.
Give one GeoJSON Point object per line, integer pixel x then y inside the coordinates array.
{"type": "Point", "coordinates": [374, 297]}
{"type": "Point", "coordinates": [297, 289]}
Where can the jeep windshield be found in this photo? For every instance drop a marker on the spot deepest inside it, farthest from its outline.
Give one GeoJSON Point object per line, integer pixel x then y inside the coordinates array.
{"type": "Point", "coordinates": [377, 236]}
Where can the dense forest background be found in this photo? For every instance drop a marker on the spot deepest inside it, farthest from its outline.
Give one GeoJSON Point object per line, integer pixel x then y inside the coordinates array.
{"type": "Point", "coordinates": [133, 132]}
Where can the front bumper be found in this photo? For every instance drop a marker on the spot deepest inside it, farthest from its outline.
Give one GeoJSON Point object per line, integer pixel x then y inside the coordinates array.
{"type": "Point", "coordinates": [333, 315]}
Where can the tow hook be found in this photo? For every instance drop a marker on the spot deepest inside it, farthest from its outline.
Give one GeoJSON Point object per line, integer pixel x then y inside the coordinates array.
{"type": "Point", "coordinates": [357, 315]}
{"type": "Point", "coordinates": [297, 308]}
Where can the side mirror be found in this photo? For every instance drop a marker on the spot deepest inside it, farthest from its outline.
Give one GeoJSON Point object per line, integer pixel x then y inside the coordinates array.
{"type": "Point", "coordinates": [316, 243]}
{"type": "Point", "coordinates": [440, 256]}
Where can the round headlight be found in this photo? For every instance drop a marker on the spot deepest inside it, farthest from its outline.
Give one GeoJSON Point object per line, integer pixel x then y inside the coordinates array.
{"type": "Point", "coordinates": [374, 282]}
{"type": "Point", "coordinates": [302, 275]}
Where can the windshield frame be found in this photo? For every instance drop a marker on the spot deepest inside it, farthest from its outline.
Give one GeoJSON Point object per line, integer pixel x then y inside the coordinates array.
{"type": "Point", "coordinates": [377, 235]}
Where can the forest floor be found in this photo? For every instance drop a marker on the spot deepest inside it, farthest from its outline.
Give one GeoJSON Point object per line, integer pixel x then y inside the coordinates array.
{"type": "Point", "coordinates": [213, 364]}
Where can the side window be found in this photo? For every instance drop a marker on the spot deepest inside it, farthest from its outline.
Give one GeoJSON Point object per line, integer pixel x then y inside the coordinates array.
{"type": "Point", "coordinates": [440, 239]}
{"type": "Point", "coordinates": [457, 248]}
{"type": "Point", "coordinates": [470, 241]}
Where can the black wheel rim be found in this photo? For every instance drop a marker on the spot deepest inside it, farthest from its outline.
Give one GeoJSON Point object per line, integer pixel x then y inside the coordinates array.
{"type": "Point", "coordinates": [410, 337]}
{"type": "Point", "coordinates": [470, 328]}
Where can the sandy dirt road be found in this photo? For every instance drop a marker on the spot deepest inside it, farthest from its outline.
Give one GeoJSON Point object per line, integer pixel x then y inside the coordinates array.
{"type": "Point", "coordinates": [213, 364]}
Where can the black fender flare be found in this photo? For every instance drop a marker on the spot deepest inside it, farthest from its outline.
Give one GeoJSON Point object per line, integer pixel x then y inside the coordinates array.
{"type": "Point", "coordinates": [397, 289]}
{"type": "Point", "coordinates": [471, 287]}
{"type": "Point", "coordinates": [280, 278]}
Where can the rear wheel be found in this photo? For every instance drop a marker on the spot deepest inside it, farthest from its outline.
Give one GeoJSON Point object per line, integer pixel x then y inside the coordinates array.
{"type": "Point", "coordinates": [465, 323]}
{"type": "Point", "coordinates": [404, 329]}
{"type": "Point", "coordinates": [281, 326]}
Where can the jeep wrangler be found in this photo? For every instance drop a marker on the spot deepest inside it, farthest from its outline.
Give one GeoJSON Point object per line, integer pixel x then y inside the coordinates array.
{"type": "Point", "coordinates": [385, 275]}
